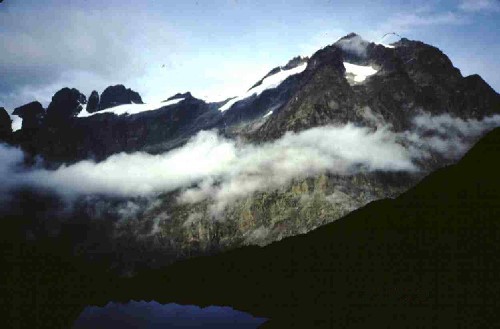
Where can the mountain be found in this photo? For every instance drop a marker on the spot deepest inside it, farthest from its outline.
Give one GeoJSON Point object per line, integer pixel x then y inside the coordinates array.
{"type": "Point", "coordinates": [81, 134]}
{"type": "Point", "coordinates": [130, 186]}
{"type": "Point", "coordinates": [332, 87]}
{"type": "Point", "coordinates": [410, 76]}
{"type": "Point", "coordinates": [378, 105]}
{"type": "Point", "coordinates": [425, 258]}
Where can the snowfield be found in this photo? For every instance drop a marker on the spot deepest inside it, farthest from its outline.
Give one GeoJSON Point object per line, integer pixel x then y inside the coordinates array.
{"type": "Point", "coordinates": [359, 72]}
{"type": "Point", "coordinates": [131, 108]}
{"type": "Point", "coordinates": [270, 82]}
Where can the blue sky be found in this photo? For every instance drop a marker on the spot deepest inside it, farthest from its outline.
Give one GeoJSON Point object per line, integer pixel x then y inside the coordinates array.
{"type": "Point", "coordinates": [214, 49]}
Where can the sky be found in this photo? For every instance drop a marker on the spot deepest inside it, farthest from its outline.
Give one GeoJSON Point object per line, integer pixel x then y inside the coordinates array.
{"type": "Point", "coordinates": [215, 49]}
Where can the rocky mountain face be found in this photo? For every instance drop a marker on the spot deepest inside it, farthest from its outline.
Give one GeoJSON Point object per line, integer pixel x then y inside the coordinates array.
{"type": "Point", "coordinates": [180, 96]}
{"type": "Point", "coordinates": [351, 81]}
{"type": "Point", "coordinates": [416, 260]}
{"type": "Point", "coordinates": [411, 77]}
{"type": "Point", "coordinates": [98, 136]}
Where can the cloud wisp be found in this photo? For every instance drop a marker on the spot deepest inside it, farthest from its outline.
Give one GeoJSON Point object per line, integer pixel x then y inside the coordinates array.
{"type": "Point", "coordinates": [406, 22]}
{"type": "Point", "coordinates": [212, 167]}
{"type": "Point", "coordinates": [208, 157]}
{"type": "Point", "coordinates": [446, 135]}
{"type": "Point", "coordinates": [475, 6]}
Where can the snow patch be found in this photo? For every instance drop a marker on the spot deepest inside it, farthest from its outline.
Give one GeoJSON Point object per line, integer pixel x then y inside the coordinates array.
{"type": "Point", "coordinates": [268, 114]}
{"type": "Point", "coordinates": [359, 72]}
{"type": "Point", "coordinates": [131, 108]}
{"type": "Point", "coordinates": [270, 82]}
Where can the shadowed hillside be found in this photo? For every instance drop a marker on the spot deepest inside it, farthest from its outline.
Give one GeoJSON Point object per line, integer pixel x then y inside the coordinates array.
{"type": "Point", "coordinates": [425, 259]}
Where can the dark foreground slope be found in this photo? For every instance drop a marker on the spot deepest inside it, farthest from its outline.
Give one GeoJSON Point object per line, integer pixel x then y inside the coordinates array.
{"type": "Point", "coordinates": [426, 259]}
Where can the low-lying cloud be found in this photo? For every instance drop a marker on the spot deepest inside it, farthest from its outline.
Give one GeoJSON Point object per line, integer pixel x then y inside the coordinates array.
{"type": "Point", "coordinates": [448, 136]}
{"type": "Point", "coordinates": [337, 150]}
{"type": "Point", "coordinates": [119, 198]}
{"type": "Point", "coordinates": [212, 167]}
{"type": "Point", "coordinates": [227, 166]}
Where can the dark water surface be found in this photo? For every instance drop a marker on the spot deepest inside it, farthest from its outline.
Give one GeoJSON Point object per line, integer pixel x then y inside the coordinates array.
{"type": "Point", "coordinates": [152, 315]}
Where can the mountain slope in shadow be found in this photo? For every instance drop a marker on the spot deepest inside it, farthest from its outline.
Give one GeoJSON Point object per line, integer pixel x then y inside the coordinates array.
{"type": "Point", "coordinates": [428, 258]}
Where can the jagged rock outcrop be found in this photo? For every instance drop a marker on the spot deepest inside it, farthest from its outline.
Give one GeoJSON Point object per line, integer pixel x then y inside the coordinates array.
{"type": "Point", "coordinates": [101, 135]}
{"type": "Point", "coordinates": [93, 103]}
{"type": "Point", "coordinates": [118, 95]}
{"type": "Point", "coordinates": [5, 125]}
{"type": "Point", "coordinates": [32, 114]}
{"type": "Point", "coordinates": [65, 104]}
{"type": "Point", "coordinates": [180, 95]}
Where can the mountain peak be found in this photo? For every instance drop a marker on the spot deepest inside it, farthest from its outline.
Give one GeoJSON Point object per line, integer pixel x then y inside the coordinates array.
{"type": "Point", "coordinates": [293, 63]}
{"type": "Point", "coordinates": [350, 36]}
{"type": "Point", "coordinates": [353, 44]}
{"type": "Point", "coordinates": [31, 113]}
{"type": "Point", "coordinates": [180, 95]}
{"type": "Point", "coordinates": [118, 95]}
{"type": "Point", "coordinates": [65, 103]}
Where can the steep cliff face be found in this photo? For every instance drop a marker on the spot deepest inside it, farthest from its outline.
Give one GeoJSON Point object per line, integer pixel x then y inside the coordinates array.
{"type": "Point", "coordinates": [264, 217]}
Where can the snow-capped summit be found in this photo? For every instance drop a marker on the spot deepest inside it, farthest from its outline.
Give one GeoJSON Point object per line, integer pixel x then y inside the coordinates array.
{"type": "Point", "coordinates": [269, 82]}
{"type": "Point", "coordinates": [293, 63]}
